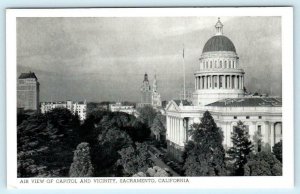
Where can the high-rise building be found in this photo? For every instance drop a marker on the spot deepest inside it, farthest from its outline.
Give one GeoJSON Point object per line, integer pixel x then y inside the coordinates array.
{"type": "Point", "coordinates": [28, 91]}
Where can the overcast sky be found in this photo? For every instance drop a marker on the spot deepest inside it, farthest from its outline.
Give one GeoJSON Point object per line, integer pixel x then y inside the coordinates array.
{"type": "Point", "coordinates": [102, 59]}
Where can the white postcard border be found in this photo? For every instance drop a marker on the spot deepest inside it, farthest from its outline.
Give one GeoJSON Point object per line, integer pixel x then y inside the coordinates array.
{"type": "Point", "coordinates": [285, 181]}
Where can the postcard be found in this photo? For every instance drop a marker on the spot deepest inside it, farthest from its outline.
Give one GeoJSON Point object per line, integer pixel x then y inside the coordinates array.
{"type": "Point", "coordinates": [150, 98]}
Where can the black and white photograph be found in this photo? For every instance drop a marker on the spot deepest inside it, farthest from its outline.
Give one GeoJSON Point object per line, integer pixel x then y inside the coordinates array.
{"type": "Point", "coordinates": [165, 96]}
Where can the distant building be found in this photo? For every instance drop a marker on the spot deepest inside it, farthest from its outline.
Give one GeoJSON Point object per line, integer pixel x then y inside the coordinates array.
{"type": "Point", "coordinates": [78, 108]}
{"type": "Point", "coordinates": [28, 92]}
{"type": "Point", "coordinates": [149, 97]}
{"type": "Point", "coordinates": [156, 100]}
{"type": "Point", "coordinates": [118, 107]}
{"type": "Point", "coordinates": [146, 93]}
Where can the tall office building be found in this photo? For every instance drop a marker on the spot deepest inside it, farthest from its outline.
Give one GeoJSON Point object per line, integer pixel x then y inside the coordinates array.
{"type": "Point", "coordinates": [28, 91]}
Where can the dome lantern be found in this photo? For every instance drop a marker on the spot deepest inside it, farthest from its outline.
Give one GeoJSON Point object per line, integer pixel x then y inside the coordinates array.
{"type": "Point", "coordinates": [219, 27]}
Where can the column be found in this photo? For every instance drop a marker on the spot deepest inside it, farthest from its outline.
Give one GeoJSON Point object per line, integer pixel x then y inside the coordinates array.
{"type": "Point", "coordinates": [181, 132]}
{"type": "Point", "coordinates": [195, 83]}
{"type": "Point", "coordinates": [207, 86]}
{"type": "Point", "coordinates": [168, 127]}
{"type": "Point", "coordinates": [200, 82]}
{"type": "Point", "coordinates": [224, 83]}
{"type": "Point", "coordinates": [212, 81]}
{"type": "Point", "coordinates": [242, 78]}
{"type": "Point", "coordinates": [185, 124]}
{"type": "Point", "coordinates": [173, 129]}
{"type": "Point", "coordinates": [177, 130]}
{"type": "Point", "coordinates": [272, 135]}
{"type": "Point", "coordinates": [218, 82]}
{"type": "Point", "coordinates": [235, 82]}
{"type": "Point", "coordinates": [230, 81]}
{"type": "Point", "coordinates": [205, 82]}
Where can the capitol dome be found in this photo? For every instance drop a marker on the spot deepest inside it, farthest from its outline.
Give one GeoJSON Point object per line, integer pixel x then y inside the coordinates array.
{"type": "Point", "coordinates": [218, 43]}
{"type": "Point", "coordinates": [219, 76]}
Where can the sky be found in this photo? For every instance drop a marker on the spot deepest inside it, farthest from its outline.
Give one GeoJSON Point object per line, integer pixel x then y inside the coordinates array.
{"type": "Point", "coordinates": [101, 59]}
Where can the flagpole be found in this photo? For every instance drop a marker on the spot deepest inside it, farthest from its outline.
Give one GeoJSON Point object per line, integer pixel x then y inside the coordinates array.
{"type": "Point", "coordinates": [184, 97]}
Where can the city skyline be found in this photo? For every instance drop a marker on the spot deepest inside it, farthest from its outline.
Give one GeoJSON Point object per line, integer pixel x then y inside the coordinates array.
{"type": "Point", "coordinates": [69, 53]}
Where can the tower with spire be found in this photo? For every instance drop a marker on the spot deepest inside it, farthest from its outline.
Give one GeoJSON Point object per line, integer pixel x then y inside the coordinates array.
{"type": "Point", "coordinates": [156, 99]}
{"type": "Point", "coordinates": [145, 92]}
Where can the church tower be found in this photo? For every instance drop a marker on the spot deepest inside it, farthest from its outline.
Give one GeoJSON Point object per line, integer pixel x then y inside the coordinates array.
{"type": "Point", "coordinates": [145, 92]}
{"type": "Point", "coordinates": [156, 100]}
{"type": "Point", "coordinates": [219, 75]}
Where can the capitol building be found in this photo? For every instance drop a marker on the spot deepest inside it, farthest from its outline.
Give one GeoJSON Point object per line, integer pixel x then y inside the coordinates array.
{"type": "Point", "coordinates": [219, 89]}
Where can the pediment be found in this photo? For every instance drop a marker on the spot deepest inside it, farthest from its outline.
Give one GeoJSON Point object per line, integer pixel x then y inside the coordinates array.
{"type": "Point", "coordinates": [172, 106]}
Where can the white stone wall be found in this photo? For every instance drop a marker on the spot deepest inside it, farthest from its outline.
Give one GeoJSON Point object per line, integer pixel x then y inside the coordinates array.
{"type": "Point", "coordinates": [269, 121]}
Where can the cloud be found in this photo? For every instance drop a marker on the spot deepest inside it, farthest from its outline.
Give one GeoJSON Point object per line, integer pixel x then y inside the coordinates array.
{"type": "Point", "coordinates": [105, 58]}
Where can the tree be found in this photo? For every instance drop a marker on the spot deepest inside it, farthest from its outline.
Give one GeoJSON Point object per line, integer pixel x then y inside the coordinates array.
{"type": "Point", "coordinates": [242, 146]}
{"type": "Point", "coordinates": [205, 155]}
{"type": "Point", "coordinates": [45, 143]}
{"type": "Point", "coordinates": [109, 132]}
{"type": "Point", "coordinates": [81, 166]}
{"type": "Point", "coordinates": [134, 159]}
{"type": "Point", "coordinates": [147, 115]}
{"type": "Point", "coordinates": [105, 152]}
{"type": "Point", "coordinates": [156, 171]}
{"type": "Point", "coordinates": [277, 150]}
{"type": "Point", "coordinates": [263, 164]}
{"type": "Point", "coordinates": [158, 127]}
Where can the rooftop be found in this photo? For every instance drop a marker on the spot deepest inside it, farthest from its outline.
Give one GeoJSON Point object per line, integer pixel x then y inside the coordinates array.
{"type": "Point", "coordinates": [184, 102]}
{"type": "Point", "coordinates": [249, 102]}
{"type": "Point", "coordinates": [27, 75]}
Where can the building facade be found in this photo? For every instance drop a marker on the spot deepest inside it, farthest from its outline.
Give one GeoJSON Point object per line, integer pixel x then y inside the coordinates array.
{"type": "Point", "coordinates": [149, 97]}
{"type": "Point", "coordinates": [219, 89]}
{"type": "Point", "coordinates": [28, 92]}
{"type": "Point", "coordinates": [78, 108]}
{"type": "Point", "coordinates": [118, 107]}
{"type": "Point", "coordinates": [156, 99]}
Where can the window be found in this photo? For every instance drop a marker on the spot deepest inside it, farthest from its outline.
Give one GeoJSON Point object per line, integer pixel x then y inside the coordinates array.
{"type": "Point", "coordinates": [259, 117]}
{"type": "Point", "coordinates": [234, 117]}
{"type": "Point", "coordinates": [247, 117]}
{"type": "Point", "coordinates": [215, 64]}
{"type": "Point", "coordinates": [259, 129]}
{"type": "Point", "coordinates": [232, 64]}
{"type": "Point", "coordinates": [247, 129]}
{"type": "Point", "coordinates": [220, 64]}
{"type": "Point", "coordinates": [210, 64]}
{"type": "Point", "coordinates": [225, 64]}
